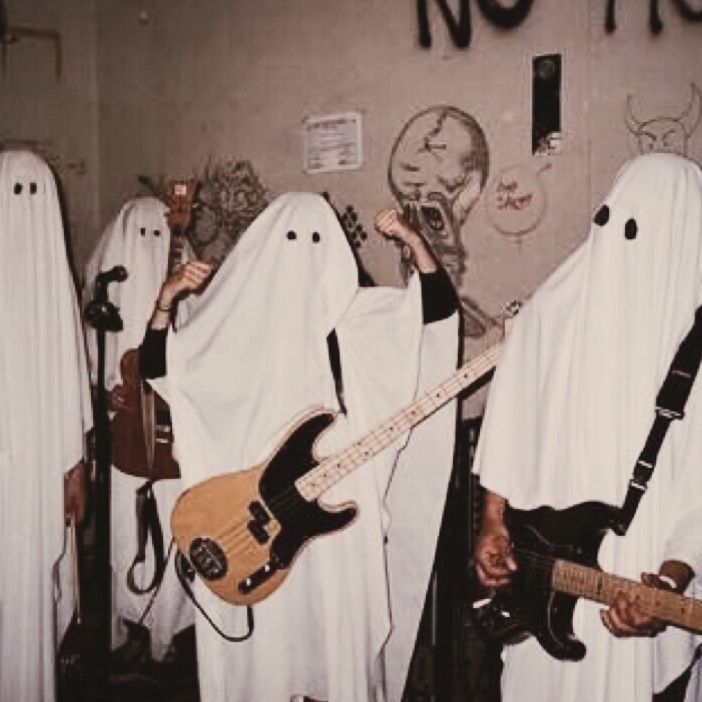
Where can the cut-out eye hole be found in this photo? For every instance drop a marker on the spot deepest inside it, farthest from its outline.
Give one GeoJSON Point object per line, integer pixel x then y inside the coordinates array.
{"type": "Point", "coordinates": [18, 188]}
{"type": "Point", "coordinates": [315, 237]}
{"type": "Point", "coordinates": [630, 229]}
{"type": "Point", "coordinates": [32, 188]}
{"type": "Point", "coordinates": [157, 232]}
{"type": "Point", "coordinates": [292, 235]}
{"type": "Point", "coordinates": [142, 231]}
{"type": "Point", "coordinates": [602, 216]}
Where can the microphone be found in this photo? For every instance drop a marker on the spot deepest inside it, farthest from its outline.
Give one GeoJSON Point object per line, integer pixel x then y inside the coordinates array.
{"type": "Point", "coordinates": [116, 274]}
{"type": "Point", "coordinates": [100, 312]}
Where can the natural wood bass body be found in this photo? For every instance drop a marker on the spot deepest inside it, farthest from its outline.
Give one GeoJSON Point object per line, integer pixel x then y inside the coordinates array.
{"type": "Point", "coordinates": [242, 531]}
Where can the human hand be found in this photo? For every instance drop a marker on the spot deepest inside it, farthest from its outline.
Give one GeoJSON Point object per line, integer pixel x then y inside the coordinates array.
{"type": "Point", "coordinates": [494, 563]}
{"type": "Point", "coordinates": [393, 225]}
{"type": "Point", "coordinates": [118, 398]}
{"type": "Point", "coordinates": [186, 278]}
{"type": "Point", "coordinates": [627, 616]}
{"type": "Point", "coordinates": [75, 490]}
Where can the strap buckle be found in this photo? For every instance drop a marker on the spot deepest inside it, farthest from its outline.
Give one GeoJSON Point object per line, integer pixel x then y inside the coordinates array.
{"type": "Point", "coordinates": [674, 393]}
{"type": "Point", "coordinates": [643, 470]}
{"type": "Point", "coordinates": [635, 484]}
{"type": "Point", "coordinates": [669, 414]}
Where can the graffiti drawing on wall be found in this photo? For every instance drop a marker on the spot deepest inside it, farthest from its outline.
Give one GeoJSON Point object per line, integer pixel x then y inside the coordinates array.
{"type": "Point", "coordinates": [655, 22]}
{"type": "Point", "coordinates": [508, 14]}
{"type": "Point", "coordinates": [437, 171]}
{"type": "Point", "coordinates": [515, 201]}
{"type": "Point", "coordinates": [669, 133]}
{"type": "Point", "coordinates": [229, 198]}
{"type": "Point", "coordinates": [501, 15]}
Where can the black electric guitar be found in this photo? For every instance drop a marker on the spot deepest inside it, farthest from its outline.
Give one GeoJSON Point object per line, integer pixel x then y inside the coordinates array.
{"type": "Point", "coordinates": [556, 554]}
{"type": "Point", "coordinates": [242, 531]}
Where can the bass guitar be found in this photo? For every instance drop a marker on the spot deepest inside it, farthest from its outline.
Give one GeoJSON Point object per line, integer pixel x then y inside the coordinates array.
{"type": "Point", "coordinates": [556, 555]}
{"type": "Point", "coordinates": [242, 531]}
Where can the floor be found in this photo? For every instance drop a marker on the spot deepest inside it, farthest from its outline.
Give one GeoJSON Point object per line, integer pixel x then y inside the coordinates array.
{"type": "Point", "coordinates": [451, 663]}
{"type": "Point", "coordinates": [88, 671]}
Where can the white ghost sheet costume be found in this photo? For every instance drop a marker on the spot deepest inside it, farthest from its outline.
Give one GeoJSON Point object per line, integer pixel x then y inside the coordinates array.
{"type": "Point", "coordinates": [138, 239]}
{"type": "Point", "coordinates": [571, 405]}
{"type": "Point", "coordinates": [43, 419]}
{"type": "Point", "coordinates": [252, 357]}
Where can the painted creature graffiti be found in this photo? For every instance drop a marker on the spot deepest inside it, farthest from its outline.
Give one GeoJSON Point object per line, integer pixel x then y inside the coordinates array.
{"type": "Point", "coordinates": [229, 198]}
{"type": "Point", "coordinates": [438, 168]}
{"type": "Point", "coordinates": [668, 133]}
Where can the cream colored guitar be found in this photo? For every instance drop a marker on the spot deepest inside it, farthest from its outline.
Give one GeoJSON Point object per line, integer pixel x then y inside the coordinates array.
{"type": "Point", "coordinates": [242, 531]}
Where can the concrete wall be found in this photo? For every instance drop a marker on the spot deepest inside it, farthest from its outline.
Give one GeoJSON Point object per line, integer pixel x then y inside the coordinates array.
{"type": "Point", "coordinates": [181, 83]}
{"type": "Point", "coordinates": [158, 87]}
{"type": "Point", "coordinates": [56, 115]}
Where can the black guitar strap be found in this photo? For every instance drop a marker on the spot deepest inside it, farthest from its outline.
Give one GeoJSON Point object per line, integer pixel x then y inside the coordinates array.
{"type": "Point", "coordinates": [148, 524]}
{"type": "Point", "coordinates": [670, 405]}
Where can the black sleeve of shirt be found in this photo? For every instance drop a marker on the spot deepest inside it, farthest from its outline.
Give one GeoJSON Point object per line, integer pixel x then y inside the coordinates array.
{"type": "Point", "coordinates": [439, 299]}
{"type": "Point", "coordinates": [152, 353]}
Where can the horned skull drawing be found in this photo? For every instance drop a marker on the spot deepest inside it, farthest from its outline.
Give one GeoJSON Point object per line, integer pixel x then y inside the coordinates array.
{"type": "Point", "coordinates": [665, 133]}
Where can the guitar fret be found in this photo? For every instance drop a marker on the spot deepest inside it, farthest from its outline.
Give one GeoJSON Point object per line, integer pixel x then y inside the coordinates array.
{"type": "Point", "coordinates": [333, 469]}
{"type": "Point", "coordinates": [599, 586]}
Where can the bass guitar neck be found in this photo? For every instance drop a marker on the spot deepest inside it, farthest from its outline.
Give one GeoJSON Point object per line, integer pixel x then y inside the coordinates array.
{"type": "Point", "coordinates": [242, 531]}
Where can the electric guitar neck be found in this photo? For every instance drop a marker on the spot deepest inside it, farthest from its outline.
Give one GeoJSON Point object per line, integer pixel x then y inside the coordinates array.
{"type": "Point", "coordinates": [598, 586]}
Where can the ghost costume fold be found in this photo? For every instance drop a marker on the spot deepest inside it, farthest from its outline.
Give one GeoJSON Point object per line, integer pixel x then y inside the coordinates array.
{"type": "Point", "coordinates": [138, 239]}
{"type": "Point", "coordinates": [252, 357]}
{"type": "Point", "coordinates": [573, 400]}
{"type": "Point", "coordinates": [43, 419]}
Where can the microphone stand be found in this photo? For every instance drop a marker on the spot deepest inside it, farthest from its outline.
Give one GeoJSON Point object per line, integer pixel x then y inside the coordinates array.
{"type": "Point", "coordinates": [104, 317]}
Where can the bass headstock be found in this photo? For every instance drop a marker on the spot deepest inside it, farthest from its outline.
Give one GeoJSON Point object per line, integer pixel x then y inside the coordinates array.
{"type": "Point", "coordinates": [180, 200]}
{"type": "Point", "coordinates": [506, 319]}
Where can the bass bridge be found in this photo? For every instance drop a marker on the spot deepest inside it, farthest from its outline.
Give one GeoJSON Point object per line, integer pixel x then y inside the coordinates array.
{"type": "Point", "coordinates": [258, 577]}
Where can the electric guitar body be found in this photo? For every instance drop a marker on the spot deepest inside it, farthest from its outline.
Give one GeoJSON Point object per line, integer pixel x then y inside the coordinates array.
{"type": "Point", "coordinates": [575, 535]}
{"type": "Point", "coordinates": [556, 554]}
{"type": "Point", "coordinates": [242, 531]}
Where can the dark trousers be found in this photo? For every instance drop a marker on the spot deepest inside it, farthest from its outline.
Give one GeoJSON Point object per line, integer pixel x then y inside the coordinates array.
{"type": "Point", "coordinates": [675, 692]}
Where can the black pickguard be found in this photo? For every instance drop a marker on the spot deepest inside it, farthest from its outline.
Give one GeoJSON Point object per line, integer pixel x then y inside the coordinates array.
{"type": "Point", "coordinates": [529, 605]}
{"type": "Point", "coordinates": [300, 520]}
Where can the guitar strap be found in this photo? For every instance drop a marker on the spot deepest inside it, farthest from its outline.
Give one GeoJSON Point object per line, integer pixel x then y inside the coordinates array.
{"type": "Point", "coordinates": [148, 524]}
{"type": "Point", "coordinates": [670, 405]}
